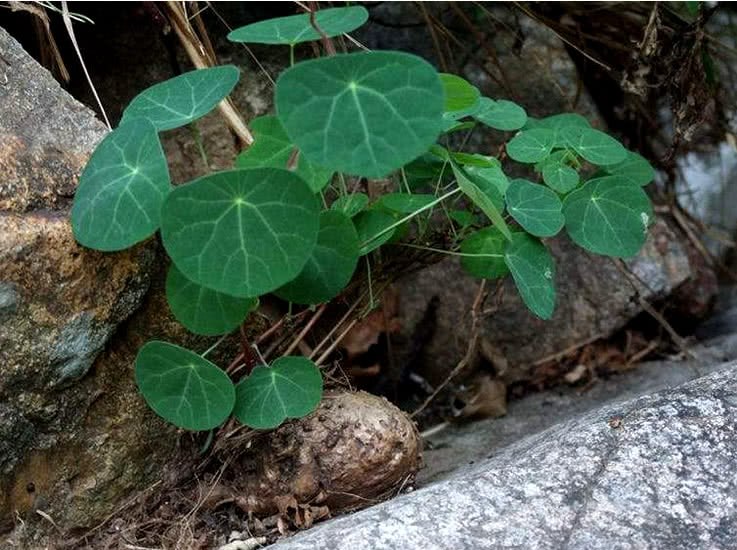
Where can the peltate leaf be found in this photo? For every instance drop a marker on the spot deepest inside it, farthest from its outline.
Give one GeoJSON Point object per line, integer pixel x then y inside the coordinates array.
{"type": "Point", "coordinates": [242, 232]}
{"type": "Point", "coordinates": [184, 98]}
{"type": "Point", "coordinates": [366, 113]}
{"type": "Point", "coordinates": [294, 29]}
{"type": "Point", "coordinates": [560, 177]}
{"type": "Point", "coordinates": [535, 207]}
{"type": "Point", "coordinates": [634, 169]}
{"type": "Point", "coordinates": [121, 190]}
{"type": "Point", "coordinates": [182, 387]}
{"type": "Point", "coordinates": [204, 311]}
{"type": "Point", "coordinates": [595, 146]}
{"type": "Point", "coordinates": [331, 264]}
{"type": "Point", "coordinates": [493, 175]}
{"type": "Point", "coordinates": [273, 149]}
{"type": "Point", "coordinates": [483, 254]}
{"type": "Point", "coordinates": [501, 114]}
{"type": "Point", "coordinates": [533, 271]}
{"type": "Point", "coordinates": [290, 388]}
{"type": "Point", "coordinates": [608, 216]}
{"type": "Point", "coordinates": [461, 97]}
{"type": "Point", "coordinates": [531, 146]}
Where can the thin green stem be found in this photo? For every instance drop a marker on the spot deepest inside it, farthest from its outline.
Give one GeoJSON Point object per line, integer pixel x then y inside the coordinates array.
{"type": "Point", "coordinates": [291, 55]}
{"type": "Point", "coordinates": [216, 344]}
{"type": "Point", "coordinates": [411, 215]}
{"type": "Point", "coordinates": [450, 252]}
{"type": "Point", "coordinates": [370, 284]}
{"type": "Point", "coordinates": [404, 181]}
{"type": "Point", "coordinates": [200, 147]}
{"type": "Point", "coordinates": [343, 186]}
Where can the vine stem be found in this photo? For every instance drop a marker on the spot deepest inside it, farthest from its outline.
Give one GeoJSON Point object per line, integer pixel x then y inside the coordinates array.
{"type": "Point", "coordinates": [216, 344]}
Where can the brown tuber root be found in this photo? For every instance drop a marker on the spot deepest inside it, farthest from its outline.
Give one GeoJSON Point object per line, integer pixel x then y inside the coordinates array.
{"type": "Point", "coordinates": [354, 450]}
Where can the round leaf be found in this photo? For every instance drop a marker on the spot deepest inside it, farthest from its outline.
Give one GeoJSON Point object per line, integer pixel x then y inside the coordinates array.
{"type": "Point", "coordinates": [532, 145]}
{"type": "Point", "coordinates": [483, 254]}
{"type": "Point", "coordinates": [501, 115]}
{"type": "Point", "coordinates": [535, 207]}
{"type": "Point", "coordinates": [294, 29]}
{"type": "Point", "coordinates": [492, 175]}
{"type": "Point", "coordinates": [351, 205]}
{"type": "Point", "coordinates": [608, 216]}
{"type": "Point", "coordinates": [204, 311]}
{"type": "Point", "coordinates": [634, 169]}
{"type": "Point", "coordinates": [243, 232]}
{"type": "Point", "coordinates": [560, 177]}
{"type": "Point", "coordinates": [121, 190]}
{"type": "Point", "coordinates": [404, 203]}
{"type": "Point", "coordinates": [331, 264]}
{"type": "Point", "coordinates": [370, 226]}
{"type": "Point", "coordinates": [290, 388]}
{"type": "Point", "coordinates": [533, 271]}
{"type": "Point", "coordinates": [460, 95]}
{"type": "Point", "coordinates": [182, 387]}
{"type": "Point", "coordinates": [272, 148]}
{"type": "Point", "coordinates": [184, 98]}
{"type": "Point", "coordinates": [563, 120]}
{"type": "Point", "coordinates": [595, 146]}
{"type": "Point", "coordinates": [365, 113]}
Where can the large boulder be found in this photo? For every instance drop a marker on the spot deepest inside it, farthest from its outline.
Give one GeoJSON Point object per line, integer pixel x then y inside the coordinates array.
{"type": "Point", "coordinates": [649, 473]}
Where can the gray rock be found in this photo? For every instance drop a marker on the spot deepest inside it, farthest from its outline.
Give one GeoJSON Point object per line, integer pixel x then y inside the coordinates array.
{"type": "Point", "coordinates": [653, 472]}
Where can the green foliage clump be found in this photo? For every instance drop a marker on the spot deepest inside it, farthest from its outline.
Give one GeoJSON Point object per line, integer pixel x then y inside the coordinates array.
{"type": "Point", "coordinates": [266, 226]}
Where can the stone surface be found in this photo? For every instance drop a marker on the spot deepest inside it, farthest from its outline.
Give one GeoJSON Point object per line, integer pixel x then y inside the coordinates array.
{"type": "Point", "coordinates": [75, 436]}
{"type": "Point", "coordinates": [595, 297]}
{"type": "Point", "coordinates": [653, 472]}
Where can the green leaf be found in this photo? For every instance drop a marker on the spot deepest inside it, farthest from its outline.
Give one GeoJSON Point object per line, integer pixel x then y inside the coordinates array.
{"type": "Point", "coordinates": [594, 146]}
{"type": "Point", "coordinates": [295, 29]}
{"type": "Point", "coordinates": [494, 176]}
{"type": "Point", "coordinates": [535, 207]}
{"type": "Point", "coordinates": [474, 159]}
{"type": "Point", "coordinates": [371, 226]}
{"type": "Point", "coordinates": [204, 311]}
{"type": "Point", "coordinates": [404, 203]}
{"type": "Point", "coordinates": [484, 195]}
{"type": "Point", "coordinates": [531, 146]}
{"type": "Point", "coordinates": [273, 149]}
{"type": "Point", "coordinates": [484, 254]}
{"type": "Point", "coordinates": [460, 95]}
{"type": "Point", "coordinates": [533, 271]}
{"type": "Point", "coordinates": [290, 388]}
{"type": "Point", "coordinates": [121, 190]}
{"type": "Point", "coordinates": [424, 169]}
{"type": "Point", "coordinates": [560, 177]}
{"type": "Point", "coordinates": [608, 216]}
{"type": "Point", "coordinates": [182, 387]}
{"type": "Point", "coordinates": [366, 113]}
{"type": "Point", "coordinates": [634, 169]}
{"type": "Point", "coordinates": [184, 98]}
{"type": "Point", "coordinates": [351, 204]}
{"type": "Point", "coordinates": [501, 114]}
{"type": "Point", "coordinates": [563, 120]}
{"type": "Point", "coordinates": [242, 232]}
{"type": "Point", "coordinates": [331, 264]}
{"type": "Point", "coordinates": [463, 218]}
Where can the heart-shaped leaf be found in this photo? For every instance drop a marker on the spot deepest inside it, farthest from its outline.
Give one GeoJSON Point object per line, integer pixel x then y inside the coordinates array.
{"type": "Point", "coordinates": [530, 146]}
{"type": "Point", "coordinates": [182, 387]}
{"type": "Point", "coordinates": [560, 177]}
{"type": "Point", "coordinates": [461, 97]}
{"type": "Point", "coordinates": [634, 169]}
{"type": "Point", "coordinates": [295, 29]}
{"type": "Point", "coordinates": [371, 227]}
{"type": "Point", "coordinates": [290, 388]}
{"type": "Point", "coordinates": [121, 190]}
{"type": "Point", "coordinates": [272, 148]}
{"type": "Point", "coordinates": [331, 264]}
{"type": "Point", "coordinates": [204, 311]}
{"type": "Point", "coordinates": [242, 232]}
{"type": "Point", "coordinates": [501, 114]}
{"type": "Point", "coordinates": [351, 204]}
{"type": "Point", "coordinates": [595, 146]}
{"type": "Point", "coordinates": [483, 254]}
{"type": "Point", "coordinates": [535, 207]}
{"type": "Point", "coordinates": [366, 113]}
{"type": "Point", "coordinates": [608, 216]}
{"type": "Point", "coordinates": [184, 98]}
{"type": "Point", "coordinates": [533, 271]}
